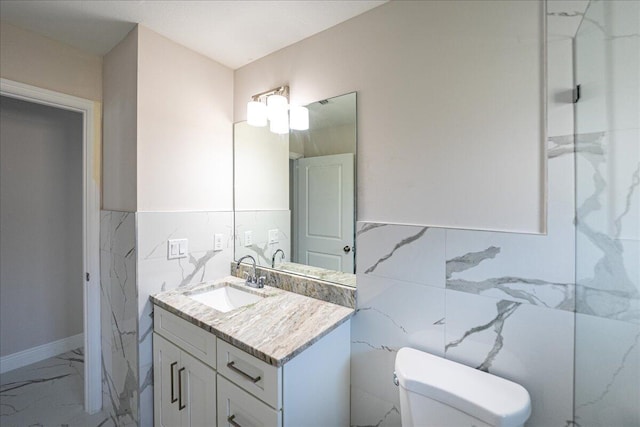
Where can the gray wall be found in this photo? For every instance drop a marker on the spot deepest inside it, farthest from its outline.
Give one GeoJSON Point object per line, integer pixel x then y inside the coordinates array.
{"type": "Point", "coordinates": [40, 225]}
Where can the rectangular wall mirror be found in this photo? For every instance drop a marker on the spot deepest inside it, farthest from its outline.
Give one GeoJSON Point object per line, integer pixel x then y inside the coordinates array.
{"type": "Point", "coordinates": [295, 193]}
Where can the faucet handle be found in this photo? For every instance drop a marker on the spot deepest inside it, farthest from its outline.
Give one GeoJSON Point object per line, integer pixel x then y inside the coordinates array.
{"type": "Point", "coordinates": [261, 281]}
{"type": "Point", "coordinates": [248, 277]}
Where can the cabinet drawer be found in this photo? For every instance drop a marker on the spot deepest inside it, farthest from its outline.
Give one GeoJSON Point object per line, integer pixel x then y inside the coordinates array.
{"type": "Point", "coordinates": [236, 408]}
{"type": "Point", "coordinates": [250, 373]}
{"type": "Point", "coordinates": [195, 340]}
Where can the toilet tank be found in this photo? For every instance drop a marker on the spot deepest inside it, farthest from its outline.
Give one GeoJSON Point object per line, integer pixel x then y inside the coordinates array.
{"type": "Point", "coordinates": [433, 389]}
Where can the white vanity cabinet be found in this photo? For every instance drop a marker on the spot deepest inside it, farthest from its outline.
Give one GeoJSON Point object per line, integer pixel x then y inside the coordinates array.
{"type": "Point", "coordinates": [225, 386]}
{"type": "Point", "coordinates": [184, 386]}
{"type": "Point", "coordinates": [310, 390]}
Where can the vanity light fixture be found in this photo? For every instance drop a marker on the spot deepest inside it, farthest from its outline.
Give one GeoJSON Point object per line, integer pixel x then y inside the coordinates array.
{"type": "Point", "coordinates": [272, 107]}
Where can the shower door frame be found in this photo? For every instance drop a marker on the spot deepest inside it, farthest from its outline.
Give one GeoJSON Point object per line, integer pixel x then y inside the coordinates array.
{"type": "Point", "coordinates": [90, 224]}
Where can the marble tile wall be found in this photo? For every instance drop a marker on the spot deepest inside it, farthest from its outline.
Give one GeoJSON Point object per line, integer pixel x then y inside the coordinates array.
{"type": "Point", "coordinates": [259, 223]}
{"type": "Point", "coordinates": [134, 265]}
{"type": "Point", "coordinates": [156, 273]}
{"type": "Point", "coordinates": [119, 316]}
{"type": "Point", "coordinates": [500, 302]}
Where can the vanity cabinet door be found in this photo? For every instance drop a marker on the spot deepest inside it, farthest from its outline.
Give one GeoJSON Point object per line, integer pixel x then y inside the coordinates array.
{"type": "Point", "coordinates": [184, 390]}
{"type": "Point", "coordinates": [166, 361]}
{"type": "Point", "coordinates": [197, 403]}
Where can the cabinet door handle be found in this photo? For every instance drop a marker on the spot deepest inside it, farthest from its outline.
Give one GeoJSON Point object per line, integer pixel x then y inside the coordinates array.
{"type": "Point", "coordinates": [173, 398]}
{"type": "Point", "coordinates": [231, 365]}
{"type": "Point", "coordinates": [180, 405]}
{"type": "Point", "coordinates": [231, 421]}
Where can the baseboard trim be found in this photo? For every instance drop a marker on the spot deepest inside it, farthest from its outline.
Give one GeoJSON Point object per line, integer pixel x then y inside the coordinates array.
{"type": "Point", "coordinates": [41, 352]}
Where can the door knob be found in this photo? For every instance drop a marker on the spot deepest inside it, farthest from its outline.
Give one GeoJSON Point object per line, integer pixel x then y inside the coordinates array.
{"type": "Point", "coordinates": [346, 249]}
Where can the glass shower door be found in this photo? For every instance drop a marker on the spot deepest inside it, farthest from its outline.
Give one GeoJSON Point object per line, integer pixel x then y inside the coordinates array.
{"type": "Point", "coordinates": [607, 115]}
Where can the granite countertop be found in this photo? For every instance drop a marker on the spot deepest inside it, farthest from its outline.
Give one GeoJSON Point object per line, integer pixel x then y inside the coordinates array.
{"type": "Point", "coordinates": [347, 279]}
{"type": "Point", "coordinates": [275, 329]}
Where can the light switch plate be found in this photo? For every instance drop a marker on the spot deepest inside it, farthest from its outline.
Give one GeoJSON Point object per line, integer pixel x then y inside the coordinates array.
{"type": "Point", "coordinates": [248, 238]}
{"type": "Point", "coordinates": [177, 248]}
{"type": "Point", "coordinates": [217, 242]}
{"type": "Point", "coordinates": [273, 236]}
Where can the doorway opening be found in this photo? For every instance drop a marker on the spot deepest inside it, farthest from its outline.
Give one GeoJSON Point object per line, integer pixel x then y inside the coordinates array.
{"type": "Point", "coordinates": [87, 272]}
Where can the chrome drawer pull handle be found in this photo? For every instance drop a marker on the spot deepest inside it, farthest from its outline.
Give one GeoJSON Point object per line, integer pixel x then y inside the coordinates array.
{"type": "Point", "coordinates": [231, 366]}
{"type": "Point", "coordinates": [173, 398]}
{"type": "Point", "coordinates": [233, 423]}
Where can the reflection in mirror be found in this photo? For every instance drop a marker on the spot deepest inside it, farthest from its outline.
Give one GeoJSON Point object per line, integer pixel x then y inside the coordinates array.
{"type": "Point", "coordinates": [294, 194]}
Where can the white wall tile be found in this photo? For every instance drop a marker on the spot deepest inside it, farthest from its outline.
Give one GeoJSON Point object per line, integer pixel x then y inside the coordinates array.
{"type": "Point", "coordinates": [119, 314]}
{"type": "Point", "coordinates": [531, 269]}
{"type": "Point", "coordinates": [368, 410]}
{"type": "Point", "coordinates": [391, 315]}
{"type": "Point", "coordinates": [526, 344]}
{"type": "Point", "coordinates": [259, 223]}
{"type": "Point", "coordinates": [155, 228]}
{"type": "Point", "coordinates": [608, 225]}
{"type": "Point", "coordinates": [401, 252]}
{"type": "Point", "coordinates": [607, 372]}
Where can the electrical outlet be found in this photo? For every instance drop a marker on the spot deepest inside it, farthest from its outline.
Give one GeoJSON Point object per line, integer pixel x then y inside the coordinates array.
{"type": "Point", "coordinates": [248, 238]}
{"type": "Point", "coordinates": [273, 236]}
{"type": "Point", "coordinates": [217, 242]}
{"type": "Point", "coordinates": [177, 248]}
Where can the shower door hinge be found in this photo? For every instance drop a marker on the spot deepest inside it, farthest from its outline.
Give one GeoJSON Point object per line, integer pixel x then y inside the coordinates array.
{"type": "Point", "coordinates": [576, 94]}
{"type": "Point", "coordinates": [87, 276]}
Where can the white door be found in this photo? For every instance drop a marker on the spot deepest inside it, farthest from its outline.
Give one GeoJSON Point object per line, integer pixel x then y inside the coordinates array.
{"type": "Point", "coordinates": [325, 212]}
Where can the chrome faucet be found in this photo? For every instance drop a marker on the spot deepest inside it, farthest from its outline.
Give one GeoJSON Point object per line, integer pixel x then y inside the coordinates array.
{"type": "Point", "coordinates": [251, 281]}
{"type": "Point", "coordinates": [273, 258]}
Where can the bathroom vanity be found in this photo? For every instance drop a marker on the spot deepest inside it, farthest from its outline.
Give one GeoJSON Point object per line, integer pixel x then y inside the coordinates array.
{"type": "Point", "coordinates": [275, 358]}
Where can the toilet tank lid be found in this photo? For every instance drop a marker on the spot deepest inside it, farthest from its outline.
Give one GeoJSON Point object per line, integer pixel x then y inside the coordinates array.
{"type": "Point", "coordinates": [492, 399]}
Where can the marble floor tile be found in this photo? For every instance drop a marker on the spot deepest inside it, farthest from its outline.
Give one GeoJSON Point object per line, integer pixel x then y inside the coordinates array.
{"type": "Point", "coordinates": [48, 393]}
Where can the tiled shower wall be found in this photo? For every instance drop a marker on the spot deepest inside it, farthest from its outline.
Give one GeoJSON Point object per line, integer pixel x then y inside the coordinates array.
{"type": "Point", "coordinates": [500, 302]}
{"type": "Point", "coordinates": [607, 363]}
{"type": "Point", "coordinates": [134, 246]}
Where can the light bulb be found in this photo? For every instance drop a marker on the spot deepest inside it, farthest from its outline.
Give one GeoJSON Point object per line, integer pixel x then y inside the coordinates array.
{"type": "Point", "coordinates": [276, 106]}
{"type": "Point", "coordinates": [279, 124]}
{"type": "Point", "coordinates": [256, 113]}
{"type": "Point", "coordinates": [299, 117]}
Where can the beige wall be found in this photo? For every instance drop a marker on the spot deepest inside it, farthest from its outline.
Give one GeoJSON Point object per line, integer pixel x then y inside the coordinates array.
{"type": "Point", "coordinates": [33, 59]}
{"type": "Point", "coordinates": [184, 119]}
{"type": "Point", "coordinates": [168, 128]}
{"type": "Point", "coordinates": [120, 126]}
{"type": "Point", "coordinates": [41, 275]}
{"type": "Point", "coordinates": [449, 108]}
{"type": "Point", "coordinates": [261, 161]}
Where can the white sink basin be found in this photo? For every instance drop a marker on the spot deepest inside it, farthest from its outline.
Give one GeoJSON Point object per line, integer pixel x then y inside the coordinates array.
{"type": "Point", "coordinates": [226, 298]}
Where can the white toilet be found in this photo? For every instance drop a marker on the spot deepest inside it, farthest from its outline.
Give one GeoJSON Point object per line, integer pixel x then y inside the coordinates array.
{"type": "Point", "coordinates": [436, 392]}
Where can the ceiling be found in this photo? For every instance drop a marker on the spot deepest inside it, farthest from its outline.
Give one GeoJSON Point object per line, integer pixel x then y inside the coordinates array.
{"type": "Point", "coordinates": [233, 33]}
